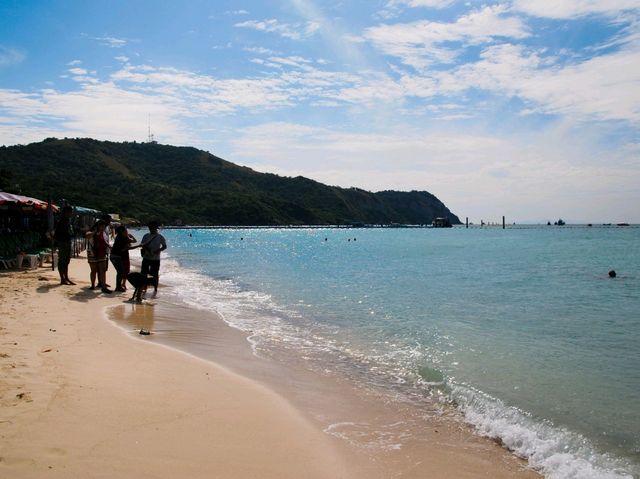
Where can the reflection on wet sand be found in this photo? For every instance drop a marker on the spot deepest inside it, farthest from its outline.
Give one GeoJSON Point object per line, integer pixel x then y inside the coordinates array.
{"type": "Point", "coordinates": [135, 316]}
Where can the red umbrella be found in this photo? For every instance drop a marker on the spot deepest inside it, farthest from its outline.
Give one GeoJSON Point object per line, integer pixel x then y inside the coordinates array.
{"type": "Point", "coordinates": [10, 198]}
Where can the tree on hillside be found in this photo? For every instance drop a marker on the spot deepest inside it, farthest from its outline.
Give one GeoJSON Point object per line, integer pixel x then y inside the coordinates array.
{"type": "Point", "coordinates": [6, 177]}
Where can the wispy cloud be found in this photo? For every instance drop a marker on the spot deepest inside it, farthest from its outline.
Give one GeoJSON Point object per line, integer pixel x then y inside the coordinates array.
{"type": "Point", "coordinates": [458, 167]}
{"type": "Point", "coordinates": [296, 31]}
{"type": "Point", "coordinates": [394, 7]}
{"type": "Point", "coordinates": [575, 8]}
{"type": "Point", "coordinates": [100, 110]}
{"type": "Point", "coordinates": [10, 56]}
{"type": "Point", "coordinates": [421, 43]}
{"type": "Point", "coordinates": [422, 3]}
{"type": "Point", "coordinates": [236, 12]}
{"type": "Point", "coordinates": [260, 50]}
{"type": "Point", "coordinates": [600, 88]}
{"type": "Point", "coordinates": [112, 42]}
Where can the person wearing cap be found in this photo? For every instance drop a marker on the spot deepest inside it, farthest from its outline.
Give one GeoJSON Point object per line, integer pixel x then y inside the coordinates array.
{"type": "Point", "coordinates": [152, 244]}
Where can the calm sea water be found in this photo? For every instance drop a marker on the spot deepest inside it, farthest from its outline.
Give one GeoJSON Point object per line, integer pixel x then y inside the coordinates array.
{"type": "Point", "coordinates": [520, 329]}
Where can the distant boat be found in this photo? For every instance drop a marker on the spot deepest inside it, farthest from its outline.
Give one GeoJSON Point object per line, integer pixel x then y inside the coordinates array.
{"type": "Point", "coordinates": [623, 224]}
{"type": "Point", "coordinates": [560, 222]}
{"type": "Point", "coordinates": [441, 223]}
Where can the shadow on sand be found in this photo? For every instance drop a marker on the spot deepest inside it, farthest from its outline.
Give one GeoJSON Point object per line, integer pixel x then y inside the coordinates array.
{"type": "Point", "coordinates": [45, 288]}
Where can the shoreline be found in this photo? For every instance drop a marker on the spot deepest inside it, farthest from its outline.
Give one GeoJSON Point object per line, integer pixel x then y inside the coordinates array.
{"type": "Point", "coordinates": [447, 451]}
{"type": "Point", "coordinates": [392, 435]}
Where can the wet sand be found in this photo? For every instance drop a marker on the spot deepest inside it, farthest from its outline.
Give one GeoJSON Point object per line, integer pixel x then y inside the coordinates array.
{"type": "Point", "coordinates": [78, 397]}
{"type": "Point", "coordinates": [382, 437]}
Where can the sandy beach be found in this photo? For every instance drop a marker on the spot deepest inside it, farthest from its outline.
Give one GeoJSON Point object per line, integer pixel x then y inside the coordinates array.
{"type": "Point", "coordinates": [81, 397]}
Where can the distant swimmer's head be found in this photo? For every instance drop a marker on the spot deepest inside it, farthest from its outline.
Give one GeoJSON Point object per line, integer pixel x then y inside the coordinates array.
{"type": "Point", "coordinates": [612, 274]}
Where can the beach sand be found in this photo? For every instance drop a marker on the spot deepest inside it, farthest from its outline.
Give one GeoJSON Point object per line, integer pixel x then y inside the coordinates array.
{"type": "Point", "coordinates": [81, 397]}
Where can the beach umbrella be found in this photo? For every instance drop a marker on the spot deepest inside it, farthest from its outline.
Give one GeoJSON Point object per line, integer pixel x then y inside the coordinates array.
{"type": "Point", "coordinates": [24, 201]}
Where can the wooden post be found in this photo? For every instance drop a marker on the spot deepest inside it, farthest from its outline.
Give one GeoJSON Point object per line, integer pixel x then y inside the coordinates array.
{"type": "Point", "coordinates": [467, 222]}
{"type": "Point", "coordinates": [503, 223]}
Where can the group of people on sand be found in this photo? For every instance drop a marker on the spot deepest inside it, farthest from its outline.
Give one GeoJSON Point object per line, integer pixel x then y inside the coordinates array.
{"type": "Point", "coordinates": [104, 244]}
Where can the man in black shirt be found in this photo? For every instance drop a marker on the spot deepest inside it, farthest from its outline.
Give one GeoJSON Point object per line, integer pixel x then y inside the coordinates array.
{"type": "Point", "coordinates": [62, 234]}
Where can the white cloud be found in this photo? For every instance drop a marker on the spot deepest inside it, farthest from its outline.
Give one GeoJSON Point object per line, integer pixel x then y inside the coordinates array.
{"type": "Point", "coordinates": [122, 58]}
{"type": "Point", "coordinates": [100, 110]}
{"type": "Point", "coordinates": [421, 3]}
{"type": "Point", "coordinates": [511, 175]}
{"type": "Point", "coordinates": [260, 51]}
{"type": "Point", "coordinates": [78, 71]}
{"type": "Point", "coordinates": [73, 63]}
{"type": "Point", "coordinates": [602, 88]}
{"type": "Point", "coordinates": [574, 8]}
{"type": "Point", "coordinates": [418, 44]}
{"type": "Point", "coordinates": [10, 56]}
{"type": "Point", "coordinates": [112, 42]}
{"type": "Point", "coordinates": [296, 31]}
{"type": "Point", "coordinates": [394, 7]}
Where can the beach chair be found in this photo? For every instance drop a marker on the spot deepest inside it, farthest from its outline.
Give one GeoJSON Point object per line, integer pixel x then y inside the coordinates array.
{"type": "Point", "coordinates": [9, 263]}
{"type": "Point", "coordinates": [32, 260]}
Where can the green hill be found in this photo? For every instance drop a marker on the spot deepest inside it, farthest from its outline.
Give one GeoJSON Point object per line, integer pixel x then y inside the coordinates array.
{"type": "Point", "coordinates": [152, 181]}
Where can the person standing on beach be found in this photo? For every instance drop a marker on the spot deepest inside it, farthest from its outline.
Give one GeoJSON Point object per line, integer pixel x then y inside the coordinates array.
{"type": "Point", "coordinates": [93, 263]}
{"type": "Point", "coordinates": [120, 256]}
{"type": "Point", "coordinates": [108, 236]}
{"type": "Point", "coordinates": [99, 246]}
{"type": "Point", "coordinates": [62, 236]}
{"type": "Point", "coordinates": [153, 243]}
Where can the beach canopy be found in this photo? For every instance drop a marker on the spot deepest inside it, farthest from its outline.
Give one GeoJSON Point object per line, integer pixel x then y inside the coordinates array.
{"type": "Point", "coordinates": [81, 210]}
{"type": "Point", "coordinates": [11, 199]}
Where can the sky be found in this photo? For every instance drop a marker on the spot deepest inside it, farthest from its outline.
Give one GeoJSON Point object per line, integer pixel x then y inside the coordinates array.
{"type": "Point", "coordinates": [523, 108]}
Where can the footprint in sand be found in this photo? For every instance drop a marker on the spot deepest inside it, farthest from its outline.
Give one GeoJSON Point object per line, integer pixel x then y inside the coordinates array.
{"type": "Point", "coordinates": [24, 396]}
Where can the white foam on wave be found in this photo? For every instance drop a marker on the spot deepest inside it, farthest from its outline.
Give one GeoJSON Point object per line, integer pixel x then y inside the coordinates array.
{"type": "Point", "coordinates": [555, 452]}
{"type": "Point", "coordinates": [389, 437]}
{"type": "Point", "coordinates": [252, 312]}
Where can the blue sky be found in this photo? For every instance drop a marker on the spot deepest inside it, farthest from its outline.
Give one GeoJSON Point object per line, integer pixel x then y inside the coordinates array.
{"type": "Point", "coordinates": [523, 108]}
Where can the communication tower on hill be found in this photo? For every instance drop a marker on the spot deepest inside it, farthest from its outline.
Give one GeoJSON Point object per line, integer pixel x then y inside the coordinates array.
{"type": "Point", "coordinates": [150, 138]}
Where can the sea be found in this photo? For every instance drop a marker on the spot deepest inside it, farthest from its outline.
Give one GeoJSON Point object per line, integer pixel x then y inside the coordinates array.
{"type": "Point", "coordinates": [520, 331]}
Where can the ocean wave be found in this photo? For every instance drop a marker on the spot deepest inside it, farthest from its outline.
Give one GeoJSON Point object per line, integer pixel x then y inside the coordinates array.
{"type": "Point", "coordinates": [555, 452]}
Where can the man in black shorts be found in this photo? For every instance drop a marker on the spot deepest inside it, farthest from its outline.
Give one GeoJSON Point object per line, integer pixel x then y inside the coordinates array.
{"type": "Point", "coordinates": [153, 243]}
{"type": "Point", "coordinates": [62, 236]}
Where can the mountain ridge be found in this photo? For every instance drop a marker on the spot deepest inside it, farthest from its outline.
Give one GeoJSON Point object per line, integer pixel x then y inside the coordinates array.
{"type": "Point", "coordinates": [184, 185]}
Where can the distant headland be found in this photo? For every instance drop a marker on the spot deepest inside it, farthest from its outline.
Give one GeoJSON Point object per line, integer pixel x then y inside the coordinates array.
{"type": "Point", "coordinates": [184, 185]}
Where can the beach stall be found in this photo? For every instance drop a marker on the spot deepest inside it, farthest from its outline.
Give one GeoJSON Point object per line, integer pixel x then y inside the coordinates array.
{"type": "Point", "coordinates": [23, 228]}
{"type": "Point", "coordinates": [85, 218]}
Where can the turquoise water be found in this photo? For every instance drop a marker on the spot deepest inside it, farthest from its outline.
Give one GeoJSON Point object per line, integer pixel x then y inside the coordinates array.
{"type": "Point", "coordinates": [520, 329]}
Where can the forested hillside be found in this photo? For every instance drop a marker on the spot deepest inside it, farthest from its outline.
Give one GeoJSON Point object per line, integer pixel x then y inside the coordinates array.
{"type": "Point", "coordinates": [182, 184]}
